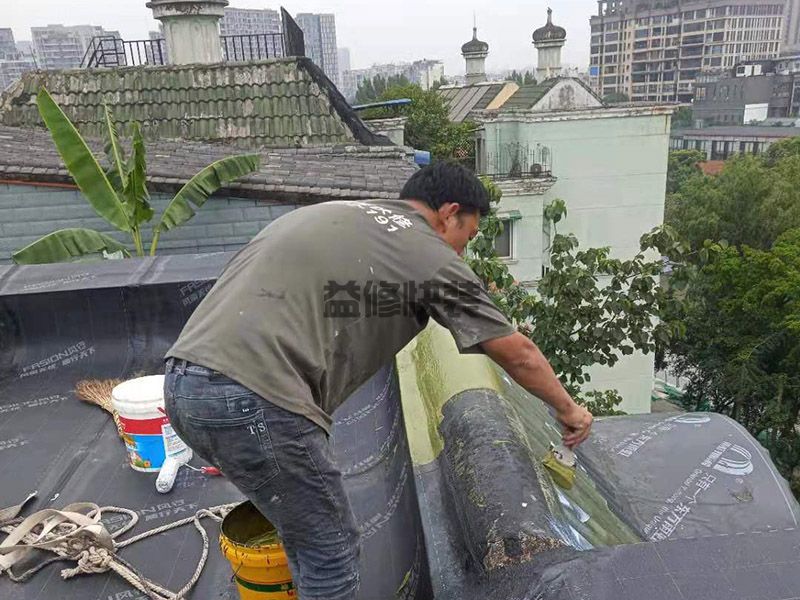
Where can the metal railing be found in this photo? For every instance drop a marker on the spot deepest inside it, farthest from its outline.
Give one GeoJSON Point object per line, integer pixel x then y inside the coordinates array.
{"type": "Point", "coordinates": [254, 46]}
{"type": "Point", "coordinates": [108, 51]}
{"type": "Point", "coordinates": [516, 160]}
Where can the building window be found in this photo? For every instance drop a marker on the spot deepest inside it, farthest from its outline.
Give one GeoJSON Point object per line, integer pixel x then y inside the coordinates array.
{"type": "Point", "coordinates": [504, 243]}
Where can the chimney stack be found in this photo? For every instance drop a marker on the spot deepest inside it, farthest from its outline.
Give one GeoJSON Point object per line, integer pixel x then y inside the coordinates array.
{"type": "Point", "coordinates": [475, 53]}
{"type": "Point", "coordinates": [548, 41]}
{"type": "Point", "coordinates": [191, 29]}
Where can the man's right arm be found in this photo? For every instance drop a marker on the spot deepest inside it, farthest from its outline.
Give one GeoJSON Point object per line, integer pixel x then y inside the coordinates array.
{"type": "Point", "coordinates": [526, 364]}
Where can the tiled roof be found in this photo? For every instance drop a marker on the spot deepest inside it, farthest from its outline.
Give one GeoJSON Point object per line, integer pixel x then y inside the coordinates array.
{"type": "Point", "coordinates": [462, 100]}
{"type": "Point", "coordinates": [285, 102]}
{"type": "Point", "coordinates": [528, 95]}
{"type": "Point", "coordinates": [296, 175]}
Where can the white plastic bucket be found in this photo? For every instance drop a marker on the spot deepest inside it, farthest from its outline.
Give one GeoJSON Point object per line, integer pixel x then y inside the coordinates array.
{"type": "Point", "coordinates": [148, 435]}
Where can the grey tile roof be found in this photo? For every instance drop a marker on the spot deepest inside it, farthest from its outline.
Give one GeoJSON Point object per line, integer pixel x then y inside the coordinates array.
{"type": "Point", "coordinates": [285, 102]}
{"type": "Point", "coordinates": [296, 175]}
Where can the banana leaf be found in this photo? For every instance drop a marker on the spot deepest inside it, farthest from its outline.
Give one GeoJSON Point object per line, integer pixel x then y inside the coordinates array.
{"type": "Point", "coordinates": [81, 163]}
{"type": "Point", "coordinates": [137, 204]}
{"type": "Point", "coordinates": [67, 245]}
{"type": "Point", "coordinates": [117, 174]}
{"type": "Point", "coordinates": [199, 188]}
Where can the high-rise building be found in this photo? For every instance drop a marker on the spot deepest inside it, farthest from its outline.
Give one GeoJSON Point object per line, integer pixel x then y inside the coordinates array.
{"type": "Point", "coordinates": [60, 47]}
{"type": "Point", "coordinates": [343, 57]}
{"type": "Point", "coordinates": [791, 40]}
{"type": "Point", "coordinates": [252, 23]}
{"type": "Point", "coordinates": [654, 50]}
{"type": "Point", "coordinates": [8, 48]}
{"type": "Point", "coordinates": [243, 21]}
{"type": "Point", "coordinates": [425, 73]}
{"type": "Point", "coordinates": [13, 61]}
{"type": "Point", "coordinates": [319, 32]}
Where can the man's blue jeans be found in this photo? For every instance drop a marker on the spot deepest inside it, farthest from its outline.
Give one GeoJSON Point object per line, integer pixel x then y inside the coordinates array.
{"type": "Point", "coordinates": [284, 465]}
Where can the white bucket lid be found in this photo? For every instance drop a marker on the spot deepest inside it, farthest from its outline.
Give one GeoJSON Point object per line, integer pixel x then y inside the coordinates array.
{"type": "Point", "coordinates": [145, 390]}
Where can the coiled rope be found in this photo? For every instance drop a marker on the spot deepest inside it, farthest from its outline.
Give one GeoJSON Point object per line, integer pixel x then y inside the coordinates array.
{"type": "Point", "coordinates": [76, 533]}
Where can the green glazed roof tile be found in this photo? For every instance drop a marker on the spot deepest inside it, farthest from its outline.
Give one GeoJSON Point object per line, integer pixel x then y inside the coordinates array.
{"type": "Point", "coordinates": [269, 103]}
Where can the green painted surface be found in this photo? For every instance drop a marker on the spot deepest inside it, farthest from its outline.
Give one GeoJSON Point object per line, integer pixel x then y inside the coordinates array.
{"type": "Point", "coordinates": [431, 371]}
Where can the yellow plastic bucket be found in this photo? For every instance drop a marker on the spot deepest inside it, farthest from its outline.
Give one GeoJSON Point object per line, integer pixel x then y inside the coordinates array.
{"type": "Point", "coordinates": [251, 545]}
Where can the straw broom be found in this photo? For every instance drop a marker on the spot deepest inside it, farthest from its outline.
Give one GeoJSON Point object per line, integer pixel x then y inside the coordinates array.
{"type": "Point", "coordinates": [98, 391]}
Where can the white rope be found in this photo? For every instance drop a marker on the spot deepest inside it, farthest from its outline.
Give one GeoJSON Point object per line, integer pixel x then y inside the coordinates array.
{"type": "Point", "coordinates": [76, 533]}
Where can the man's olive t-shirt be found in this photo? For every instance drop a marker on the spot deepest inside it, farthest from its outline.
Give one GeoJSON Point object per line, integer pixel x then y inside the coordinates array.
{"type": "Point", "coordinates": [326, 295]}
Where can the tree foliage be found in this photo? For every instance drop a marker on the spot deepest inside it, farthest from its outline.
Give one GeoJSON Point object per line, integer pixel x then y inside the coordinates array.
{"type": "Point", "coordinates": [682, 118]}
{"type": "Point", "coordinates": [589, 308]}
{"type": "Point", "coordinates": [741, 311]}
{"type": "Point", "coordinates": [428, 126]}
{"type": "Point", "coordinates": [526, 78]}
{"type": "Point", "coordinates": [616, 98]}
{"type": "Point", "coordinates": [372, 90]}
{"type": "Point", "coordinates": [749, 203]}
{"type": "Point", "coordinates": [119, 193]}
{"type": "Point", "coordinates": [741, 352]}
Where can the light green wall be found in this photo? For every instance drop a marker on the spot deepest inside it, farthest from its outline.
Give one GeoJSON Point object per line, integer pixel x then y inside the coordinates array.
{"type": "Point", "coordinates": [612, 175]}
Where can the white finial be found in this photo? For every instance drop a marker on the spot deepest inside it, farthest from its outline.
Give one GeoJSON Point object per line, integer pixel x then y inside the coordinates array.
{"type": "Point", "coordinates": [549, 15]}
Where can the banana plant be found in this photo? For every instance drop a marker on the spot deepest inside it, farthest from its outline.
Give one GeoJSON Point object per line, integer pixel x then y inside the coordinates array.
{"type": "Point", "coordinates": [119, 193]}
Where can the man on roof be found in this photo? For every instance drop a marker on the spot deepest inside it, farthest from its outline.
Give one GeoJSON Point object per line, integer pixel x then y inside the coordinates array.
{"type": "Point", "coordinates": [316, 304]}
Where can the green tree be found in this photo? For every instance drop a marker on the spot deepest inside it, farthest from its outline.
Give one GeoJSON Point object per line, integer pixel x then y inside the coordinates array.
{"type": "Point", "coordinates": [372, 90]}
{"type": "Point", "coordinates": [616, 98]}
{"type": "Point", "coordinates": [119, 194]}
{"type": "Point", "coordinates": [740, 310]}
{"type": "Point", "coordinates": [780, 150]}
{"type": "Point", "coordinates": [741, 351]}
{"type": "Point", "coordinates": [749, 203]}
{"type": "Point", "coordinates": [681, 166]}
{"type": "Point", "coordinates": [521, 79]}
{"type": "Point", "coordinates": [589, 308]}
{"type": "Point", "coordinates": [428, 126]}
{"type": "Point", "coordinates": [682, 118]}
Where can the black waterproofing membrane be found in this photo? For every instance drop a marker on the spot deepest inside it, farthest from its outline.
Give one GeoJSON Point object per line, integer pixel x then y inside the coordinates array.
{"type": "Point", "coordinates": [666, 506]}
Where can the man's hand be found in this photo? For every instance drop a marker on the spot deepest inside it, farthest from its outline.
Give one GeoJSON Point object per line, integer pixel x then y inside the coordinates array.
{"type": "Point", "coordinates": [577, 423]}
{"type": "Point", "coordinates": [525, 363]}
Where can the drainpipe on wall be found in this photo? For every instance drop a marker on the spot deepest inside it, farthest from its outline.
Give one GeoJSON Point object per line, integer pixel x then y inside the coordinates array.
{"type": "Point", "coordinates": [191, 29]}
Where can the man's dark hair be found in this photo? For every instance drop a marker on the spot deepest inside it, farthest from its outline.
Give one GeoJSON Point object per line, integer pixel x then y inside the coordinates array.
{"type": "Point", "coordinates": [447, 182]}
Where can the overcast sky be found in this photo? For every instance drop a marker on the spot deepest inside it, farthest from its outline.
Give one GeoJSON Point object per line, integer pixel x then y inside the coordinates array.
{"type": "Point", "coordinates": [376, 31]}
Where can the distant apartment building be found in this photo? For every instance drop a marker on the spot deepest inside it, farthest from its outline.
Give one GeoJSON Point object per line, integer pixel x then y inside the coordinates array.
{"type": "Point", "coordinates": [256, 30]}
{"type": "Point", "coordinates": [319, 32]}
{"type": "Point", "coordinates": [343, 56]}
{"type": "Point", "coordinates": [243, 21]}
{"type": "Point", "coordinates": [791, 40]}
{"type": "Point", "coordinates": [61, 47]}
{"type": "Point", "coordinates": [425, 73]}
{"type": "Point", "coordinates": [654, 50]}
{"type": "Point", "coordinates": [752, 93]}
{"type": "Point", "coordinates": [8, 47]}
{"type": "Point", "coordinates": [14, 61]}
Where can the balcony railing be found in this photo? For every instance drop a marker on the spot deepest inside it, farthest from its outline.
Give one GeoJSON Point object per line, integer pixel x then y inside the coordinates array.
{"type": "Point", "coordinates": [515, 161]}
